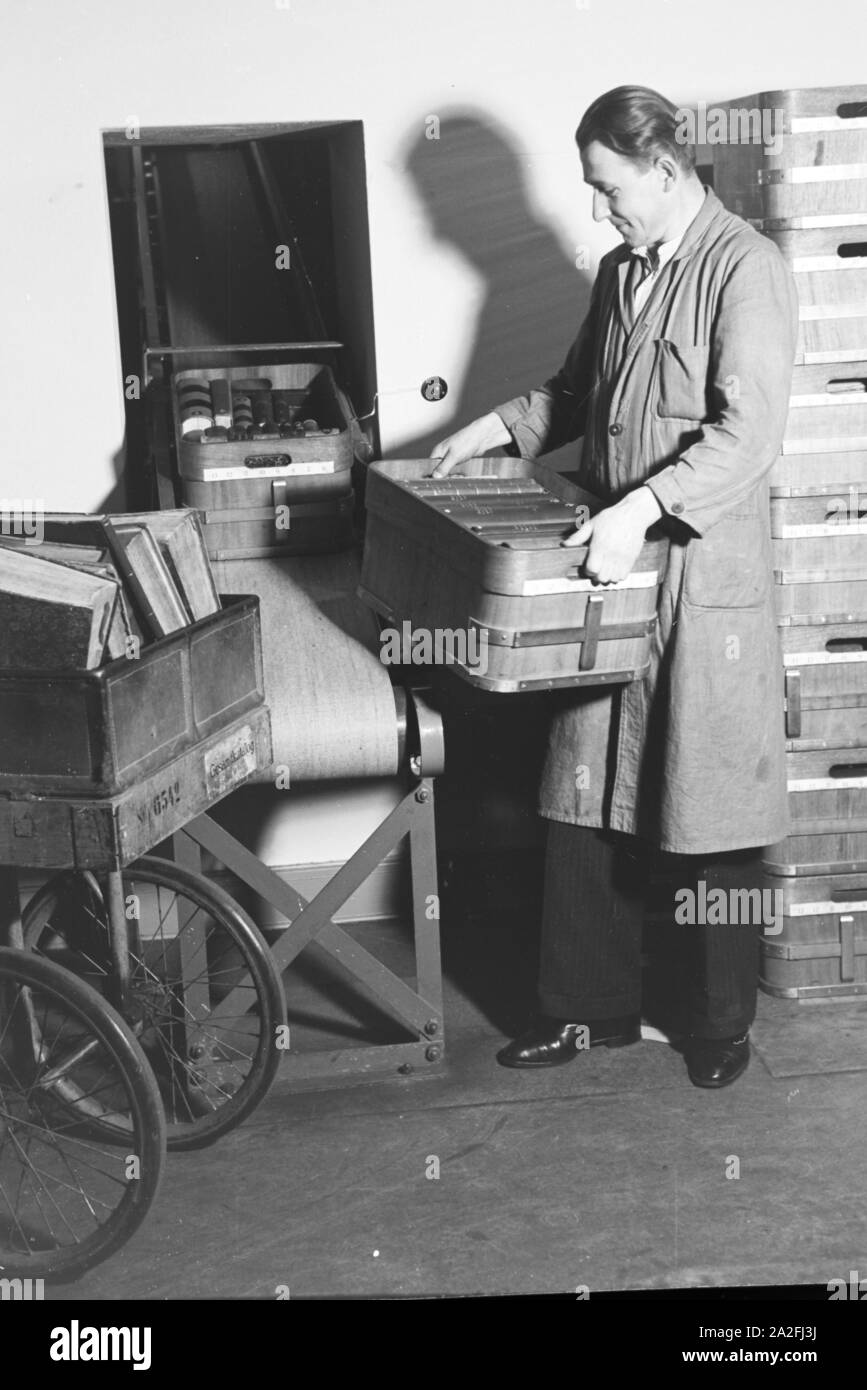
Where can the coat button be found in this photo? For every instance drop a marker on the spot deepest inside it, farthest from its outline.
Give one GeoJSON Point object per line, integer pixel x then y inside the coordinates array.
{"type": "Point", "coordinates": [615, 429]}
{"type": "Point", "coordinates": [677, 508]}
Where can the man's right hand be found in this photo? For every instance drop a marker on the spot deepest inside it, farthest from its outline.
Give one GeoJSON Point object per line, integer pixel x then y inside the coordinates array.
{"type": "Point", "coordinates": [474, 439]}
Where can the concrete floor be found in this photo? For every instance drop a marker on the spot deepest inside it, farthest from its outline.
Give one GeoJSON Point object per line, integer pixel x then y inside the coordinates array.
{"type": "Point", "coordinates": [609, 1172]}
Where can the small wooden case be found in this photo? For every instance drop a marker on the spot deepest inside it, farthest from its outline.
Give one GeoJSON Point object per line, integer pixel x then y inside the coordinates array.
{"type": "Point", "coordinates": [479, 554]}
{"type": "Point", "coordinates": [282, 496]}
{"type": "Point", "coordinates": [821, 951]}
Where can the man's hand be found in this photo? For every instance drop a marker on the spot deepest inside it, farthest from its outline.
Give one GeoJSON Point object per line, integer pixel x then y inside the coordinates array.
{"type": "Point", "coordinates": [616, 535]}
{"type": "Point", "coordinates": [474, 439]}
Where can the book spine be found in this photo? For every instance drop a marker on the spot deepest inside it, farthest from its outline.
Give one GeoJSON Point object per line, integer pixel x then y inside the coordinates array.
{"type": "Point", "coordinates": [142, 602]}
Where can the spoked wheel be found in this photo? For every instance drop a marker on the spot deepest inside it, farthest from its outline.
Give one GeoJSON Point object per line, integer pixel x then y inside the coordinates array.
{"type": "Point", "coordinates": [203, 995]}
{"type": "Point", "coordinates": [68, 1064]}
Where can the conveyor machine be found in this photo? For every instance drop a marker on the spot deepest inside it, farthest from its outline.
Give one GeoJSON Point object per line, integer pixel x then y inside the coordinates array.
{"type": "Point", "coordinates": [196, 216]}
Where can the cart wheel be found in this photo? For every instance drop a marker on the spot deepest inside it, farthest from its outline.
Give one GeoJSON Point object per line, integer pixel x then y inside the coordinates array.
{"type": "Point", "coordinates": [204, 996]}
{"type": "Point", "coordinates": [67, 1062]}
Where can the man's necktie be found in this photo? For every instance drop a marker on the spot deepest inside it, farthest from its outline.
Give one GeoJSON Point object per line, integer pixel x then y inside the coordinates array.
{"type": "Point", "coordinates": [639, 269]}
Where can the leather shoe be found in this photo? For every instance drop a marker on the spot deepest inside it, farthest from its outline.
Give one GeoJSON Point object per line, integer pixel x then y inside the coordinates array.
{"type": "Point", "coordinates": [550, 1042]}
{"type": "Point", "coordinates": [715, 1062]}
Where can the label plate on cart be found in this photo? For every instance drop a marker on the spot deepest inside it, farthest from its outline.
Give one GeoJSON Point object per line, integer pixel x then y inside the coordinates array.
{"type": "Point", "coordinates": [232, 472]}
{"type": "Point", "coordinates": [230, 761]}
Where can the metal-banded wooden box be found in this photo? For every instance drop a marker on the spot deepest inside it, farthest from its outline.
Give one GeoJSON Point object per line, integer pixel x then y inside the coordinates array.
{"type": "Point", "coordinates": [821, 950]}
{"type": "Point", "coordinates": [284, 495]}
{"type": "Point", "coordinates": [73, 832]}
{"type": "Point", "coordinates": [793, 153]}
{"type": "Point", "coordinates": [95, 733]}
{"type": "Point", "coordinates": [828, 258]}
{"type": "Point", "coordinates": [477, 557]}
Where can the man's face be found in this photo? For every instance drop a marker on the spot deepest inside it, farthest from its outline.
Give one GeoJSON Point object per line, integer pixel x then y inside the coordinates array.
{"type": "Point", "coordinates": [629, 196]}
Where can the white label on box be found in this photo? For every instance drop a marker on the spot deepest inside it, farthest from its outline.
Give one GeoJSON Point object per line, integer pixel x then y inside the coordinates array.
{"type": "Point", "coordinates": [230, 761]}
{"type": "Point", "coordinates": [288, 470]}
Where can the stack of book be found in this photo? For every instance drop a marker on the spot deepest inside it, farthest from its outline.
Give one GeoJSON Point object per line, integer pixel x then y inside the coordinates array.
{"type": "Point", "coordinates": [97, 588]}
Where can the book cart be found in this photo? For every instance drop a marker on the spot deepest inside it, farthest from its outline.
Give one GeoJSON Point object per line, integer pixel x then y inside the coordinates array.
{"type": "Point", "coordinates": [112, 1047]}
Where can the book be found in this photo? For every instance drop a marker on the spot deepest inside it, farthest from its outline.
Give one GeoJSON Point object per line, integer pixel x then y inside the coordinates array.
{"type": "Point", "coordinates": [179, 537]}
{"type": "Point", "coordinates": [52, 617]}
{"type": "Point", "coordinates": [146, 574]}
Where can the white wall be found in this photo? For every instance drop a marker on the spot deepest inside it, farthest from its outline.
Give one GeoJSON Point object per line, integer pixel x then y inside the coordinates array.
{"type": "Point", "coordinates": [71, 70]}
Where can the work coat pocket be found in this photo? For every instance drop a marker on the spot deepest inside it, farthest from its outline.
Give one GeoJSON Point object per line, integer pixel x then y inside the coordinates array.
{"type": "Point", "coordinates": [730, 566]}
{"type": "Point", "coordinates": [682, 380]}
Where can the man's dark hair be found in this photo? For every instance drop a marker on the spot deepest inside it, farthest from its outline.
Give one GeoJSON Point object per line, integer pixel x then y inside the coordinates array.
{"type": "Point", "coordinates": [638, 124]}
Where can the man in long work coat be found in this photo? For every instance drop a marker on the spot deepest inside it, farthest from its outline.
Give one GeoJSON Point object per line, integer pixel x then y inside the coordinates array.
{"type": "Point", "coordinates": [679, 383]}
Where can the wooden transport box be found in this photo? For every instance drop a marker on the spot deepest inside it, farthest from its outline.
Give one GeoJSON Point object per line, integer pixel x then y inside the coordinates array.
{"type": "Point", "coordinates": [479, 554]}
{"type": "Point", "coordinates": [828, 258]}
{"type": "Point", "coordinates": [825, 703]}
{"type": "Point", "coordinates": [101, 833]}
{"type": "Point", "coordinates": [282, 528]}
{"type": "Point", "coordinates": [814, 164]}
{"type": "Point", "coordinates": [820, 504]}
{"type": "Point", "coordinates": [821, 550]}
{"type": "Point", "coordinates": [829, 851]}
{"type": "Point", "coordinates": [821, 951]}
{"type": "Point", "coordinates": [820, 595]}
{"type": "Point", "coordinates": [271, 496]}
{"type": "Point", "coordinates": [94, 733]}
{"type": "Point", "coordinates": [838, 470]}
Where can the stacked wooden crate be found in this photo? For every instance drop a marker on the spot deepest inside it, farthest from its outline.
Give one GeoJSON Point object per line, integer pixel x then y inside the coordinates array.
{"type": "Point", "coordinates": [807, 190]}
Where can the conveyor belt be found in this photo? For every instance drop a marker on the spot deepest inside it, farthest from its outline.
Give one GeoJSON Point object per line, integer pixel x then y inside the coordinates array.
{"type": "Point", "coordinates": [333, 710]}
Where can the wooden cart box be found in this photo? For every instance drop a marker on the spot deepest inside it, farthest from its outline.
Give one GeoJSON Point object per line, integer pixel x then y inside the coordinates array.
{"type": "Point", "coordinates": [820, 167]}
{"type": "Point", "coordinates": [289, 495]}
{"type": "Point", "coordinates": [821, 951]}
{"type": "Point", "coordinates": [479, 554]}
{"type": "Point", "coordinates": [94, 733]}
{"type": "Point", "coordinates": [102, 833]}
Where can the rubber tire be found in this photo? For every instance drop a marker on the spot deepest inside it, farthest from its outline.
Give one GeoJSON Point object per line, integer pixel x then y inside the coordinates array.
{"type": "Point", "coordinates": [148, 1130]}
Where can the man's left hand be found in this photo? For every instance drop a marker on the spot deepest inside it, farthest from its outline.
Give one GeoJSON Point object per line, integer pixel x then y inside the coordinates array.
{"type": "Point", "coordinates": [616, 534]}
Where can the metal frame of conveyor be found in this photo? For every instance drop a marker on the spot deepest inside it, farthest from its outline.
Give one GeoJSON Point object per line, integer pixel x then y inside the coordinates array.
{"type": "Point", "coordinates": [420, 1009]}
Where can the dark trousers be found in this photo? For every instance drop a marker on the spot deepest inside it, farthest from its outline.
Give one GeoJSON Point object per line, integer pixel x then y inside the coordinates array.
{"type": "Point", "coordinates": [595, 893]}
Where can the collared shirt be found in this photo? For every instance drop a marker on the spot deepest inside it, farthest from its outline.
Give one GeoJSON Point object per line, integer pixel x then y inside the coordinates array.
{"type": "Point", "coordinates": [655, 259]}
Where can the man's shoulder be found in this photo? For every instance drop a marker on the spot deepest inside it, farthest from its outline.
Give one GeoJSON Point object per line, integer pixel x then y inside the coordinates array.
{"type": "Point", "coordinates": [733, 239]}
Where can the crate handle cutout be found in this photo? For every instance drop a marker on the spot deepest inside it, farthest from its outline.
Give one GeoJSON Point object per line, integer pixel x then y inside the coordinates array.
{"type": "Point", "coordinates": [852, 110]}
{"type": "Point", "coordinates": [846, 644]}
{"type": "Point", "coordinates": [847, 947]}
{"type": "Point", "coordinates": [848, 770]}
{"type": "Point", "coordinates": [793, 704]}
{"type": "Point", "coordinates": [852, 248]}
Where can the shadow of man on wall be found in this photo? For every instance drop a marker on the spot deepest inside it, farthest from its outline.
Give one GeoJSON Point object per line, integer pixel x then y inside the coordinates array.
{"type": "Point", "coordinates": [474, 186]}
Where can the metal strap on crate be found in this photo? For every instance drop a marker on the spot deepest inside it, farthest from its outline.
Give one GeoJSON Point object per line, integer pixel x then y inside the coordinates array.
{"type": "Point", "coordinates": [590, 634]}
